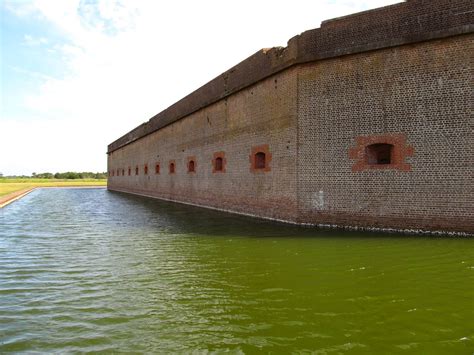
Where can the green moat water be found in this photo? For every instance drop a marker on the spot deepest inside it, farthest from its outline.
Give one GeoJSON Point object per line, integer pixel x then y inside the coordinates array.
{"type": "Point", "coordinates": [86, 270]}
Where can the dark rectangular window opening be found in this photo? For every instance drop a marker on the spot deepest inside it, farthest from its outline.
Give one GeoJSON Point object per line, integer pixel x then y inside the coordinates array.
{"type": "Point", "coordinates": [218, 165]}
{"type": "Point", "coordinates": [260, 160]}
{"type": "Point", "coordinates": [379, 154]}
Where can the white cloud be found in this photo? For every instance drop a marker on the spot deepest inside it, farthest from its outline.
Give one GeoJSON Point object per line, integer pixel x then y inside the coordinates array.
{"type": "Point", "coordinates": [29, 40]}
{"type": "Point", "coordinates": [30, 73]}
{"type": "Point", "coordinates": [49, 146]}
{"type": "Point", "coordinates": [128, 60]}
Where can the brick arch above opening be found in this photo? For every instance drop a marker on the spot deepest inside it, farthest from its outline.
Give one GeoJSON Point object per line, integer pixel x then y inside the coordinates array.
{"type": "Point", "coordinates": [366, 148]}
{"type": "Point", "coordinates": [219, 162]}
{"type": "Point", "coordinates": [260, 158]}
{"type": "Point", "coordinates": [192, 165]}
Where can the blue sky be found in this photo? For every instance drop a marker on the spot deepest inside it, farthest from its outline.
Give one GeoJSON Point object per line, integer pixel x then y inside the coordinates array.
{"type": "Point", "coordinates": [26, 61]}
{"type": "Point", "coordinates": [77, 74]}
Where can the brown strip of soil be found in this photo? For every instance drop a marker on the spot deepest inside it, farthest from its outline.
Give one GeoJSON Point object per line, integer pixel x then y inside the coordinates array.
{"type": "Point", "coordinates": [5, 200]}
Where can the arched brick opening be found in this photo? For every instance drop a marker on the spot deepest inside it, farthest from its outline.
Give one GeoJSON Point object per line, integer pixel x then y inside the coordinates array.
{"type": "Point", "coordinates": [191, 166]}
{"type": "Point", "coordinates": [157, 168]}
{"type": "Point", "coordinates": [129, 171]}
{"type": "Point", "coordinates": [260, 159]}
{"type": "Point", "coordinates": [387, 152]}
{"type": "Point", "coordinates": [145, 169]}
{"type": "Point", "coordinates": [172, 168]}
{"type": "Point", "coordinates": [136, 170]}
{"type": "Point", "coordinates": [219, 162]}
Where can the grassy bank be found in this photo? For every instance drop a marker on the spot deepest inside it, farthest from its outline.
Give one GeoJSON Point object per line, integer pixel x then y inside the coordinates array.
{"type": "Point", "coordinates": [8, 186]}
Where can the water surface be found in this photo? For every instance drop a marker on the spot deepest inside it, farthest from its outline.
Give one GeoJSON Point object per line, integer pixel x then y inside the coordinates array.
{"type": "Point", "coordinates": [87, 270]}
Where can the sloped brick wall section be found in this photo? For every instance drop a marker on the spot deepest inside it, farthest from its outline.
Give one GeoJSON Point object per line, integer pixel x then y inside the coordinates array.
{"type": "Point", "coordinates": [398, 77]}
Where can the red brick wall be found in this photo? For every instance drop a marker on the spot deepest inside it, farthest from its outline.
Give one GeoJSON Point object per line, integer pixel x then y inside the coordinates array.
{"type": "Point", "coordinates": [263, 115]}
{"type": "Point", "coordinates": [399, 75]}
{"type": "Point", "coordinates": [416, 97]}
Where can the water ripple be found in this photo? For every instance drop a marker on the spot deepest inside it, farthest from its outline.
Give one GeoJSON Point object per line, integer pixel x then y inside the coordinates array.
{"type": "Point", "coordinates": [93, 271]}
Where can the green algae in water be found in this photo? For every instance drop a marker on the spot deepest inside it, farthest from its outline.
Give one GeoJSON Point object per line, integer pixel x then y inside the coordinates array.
{"type": "Point", "coordinates": [94, 271]}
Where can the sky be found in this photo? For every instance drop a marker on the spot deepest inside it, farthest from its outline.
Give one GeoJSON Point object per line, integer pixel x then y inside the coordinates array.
{"type": "Point", "coordinates": [78, 74]}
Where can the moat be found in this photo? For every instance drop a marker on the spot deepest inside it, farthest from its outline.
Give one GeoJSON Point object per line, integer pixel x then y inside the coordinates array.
{"type": "Point", "coordinates": [87, 270]}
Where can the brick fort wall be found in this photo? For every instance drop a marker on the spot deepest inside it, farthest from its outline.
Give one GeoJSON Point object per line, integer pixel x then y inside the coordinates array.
{"type": "Point", "coordinates": [364, 122]}
{"type": "Point", "coordinates": [417, 98]}
{"type": "Point", "coordinates": [261, 118]}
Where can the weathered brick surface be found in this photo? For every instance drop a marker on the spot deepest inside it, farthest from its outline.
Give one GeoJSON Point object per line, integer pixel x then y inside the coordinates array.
{"type": "Point", "coordinates": [399, 75]}
{"type": "Point", "coordinates": [262, 115]}
{"type": "Point", "coordinates": [422, 92]}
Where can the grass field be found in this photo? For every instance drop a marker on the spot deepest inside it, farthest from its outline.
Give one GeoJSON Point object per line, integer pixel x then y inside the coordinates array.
{"type": "Point", "coordinates": [8, 186]}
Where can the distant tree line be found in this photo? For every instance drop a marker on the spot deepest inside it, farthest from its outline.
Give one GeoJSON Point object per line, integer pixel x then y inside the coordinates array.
{"type": "Point", "coordinates": [70, 175]}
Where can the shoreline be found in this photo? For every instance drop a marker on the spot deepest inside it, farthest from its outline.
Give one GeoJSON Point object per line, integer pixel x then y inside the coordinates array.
{"type": "Point", "coordinates": [7, 199]}
{"type": "Point", "coordinates": [16, 195]}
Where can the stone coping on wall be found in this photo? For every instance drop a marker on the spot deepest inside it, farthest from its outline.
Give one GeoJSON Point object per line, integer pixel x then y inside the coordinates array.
{"type": "Point", "coordinates": [404, 23]}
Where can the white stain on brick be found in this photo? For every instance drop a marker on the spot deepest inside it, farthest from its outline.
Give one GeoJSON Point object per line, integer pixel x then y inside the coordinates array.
{"type": "Point", "coordinates": [318, 200]}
